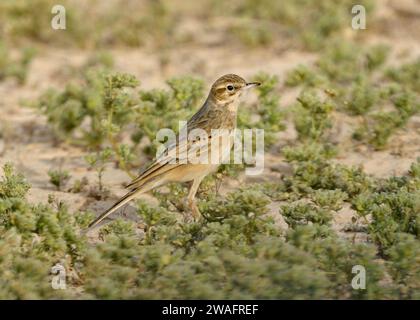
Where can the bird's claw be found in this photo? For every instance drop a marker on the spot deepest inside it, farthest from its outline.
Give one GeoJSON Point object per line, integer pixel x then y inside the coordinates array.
{"type": "Point", "coordinates": [193, 214]}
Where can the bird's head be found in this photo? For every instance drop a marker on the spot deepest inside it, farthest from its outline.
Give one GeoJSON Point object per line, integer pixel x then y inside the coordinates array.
{"type": "Point", "coordinates": [228, 88]}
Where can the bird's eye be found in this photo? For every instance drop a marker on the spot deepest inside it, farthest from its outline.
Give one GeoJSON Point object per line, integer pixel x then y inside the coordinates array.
{"type": "Point", "coordinates": [230, 87]}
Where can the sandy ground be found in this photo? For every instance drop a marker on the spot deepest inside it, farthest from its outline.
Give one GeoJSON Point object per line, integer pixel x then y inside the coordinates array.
{"type": "Point", "coordinates": [29, 144]}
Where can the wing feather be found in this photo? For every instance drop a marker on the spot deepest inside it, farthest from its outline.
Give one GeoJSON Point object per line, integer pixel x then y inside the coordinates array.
{"type": "Point", "coordinates": [176, 155]}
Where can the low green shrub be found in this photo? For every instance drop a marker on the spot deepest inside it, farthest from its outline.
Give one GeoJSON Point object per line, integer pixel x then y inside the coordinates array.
{"type": "Point", "coordinates": [378, 127]}
{"type": "Point", "coordinates": [15, 67]}
{"type": "Point", "coordinates": [303, 213]}
{"type": "Point", "coordinates": [404, 265]}
{"type": "Point", "coordinates": [313, 25]}
{"type": "Point", "coordinates": [407, 74]}
{"type": "Point", "coordinates": [59, 177]}
{"type": "Point", "coordinates": [312, 117]}
{"type": "Point", "coordinates": [33, 239]}
{"type": "Point", "coordinates": [236, 252]}
{"type": "Point", "coordinates": [356, 81]}
{"type": "Point", "coordinates": [393, 207]}
{"type": "Point", "coordinates": [22, 20]}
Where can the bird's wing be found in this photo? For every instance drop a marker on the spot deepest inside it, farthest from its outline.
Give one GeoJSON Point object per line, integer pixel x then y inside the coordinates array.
{"type": "Point", "coordinates": [174, 156]}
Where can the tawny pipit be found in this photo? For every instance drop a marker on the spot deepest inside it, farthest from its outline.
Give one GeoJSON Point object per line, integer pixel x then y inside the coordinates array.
{"type": "Point", "coordinates": [219, 111]}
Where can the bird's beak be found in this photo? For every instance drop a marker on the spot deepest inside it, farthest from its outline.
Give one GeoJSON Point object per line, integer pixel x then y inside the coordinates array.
{"type": "Point", "coordinates": [252, 84]}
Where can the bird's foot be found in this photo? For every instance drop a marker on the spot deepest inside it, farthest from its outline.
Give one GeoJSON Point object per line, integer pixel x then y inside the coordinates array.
{"type": "Point", "coordinates": [193, 214]}
{"type": "Point", "coordinates": [188, 218]}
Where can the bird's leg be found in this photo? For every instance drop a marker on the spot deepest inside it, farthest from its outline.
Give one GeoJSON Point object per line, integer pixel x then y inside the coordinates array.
{"type": "Point", "coordinates": [191, 198]}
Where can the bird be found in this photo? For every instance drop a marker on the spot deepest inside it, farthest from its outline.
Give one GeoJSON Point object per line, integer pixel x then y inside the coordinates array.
{"type": "Point", "coordinates": [217, 114]}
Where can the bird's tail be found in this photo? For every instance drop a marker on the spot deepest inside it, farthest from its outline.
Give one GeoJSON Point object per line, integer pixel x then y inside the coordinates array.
{"type": "Point", "coordinates": [129, 196]}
